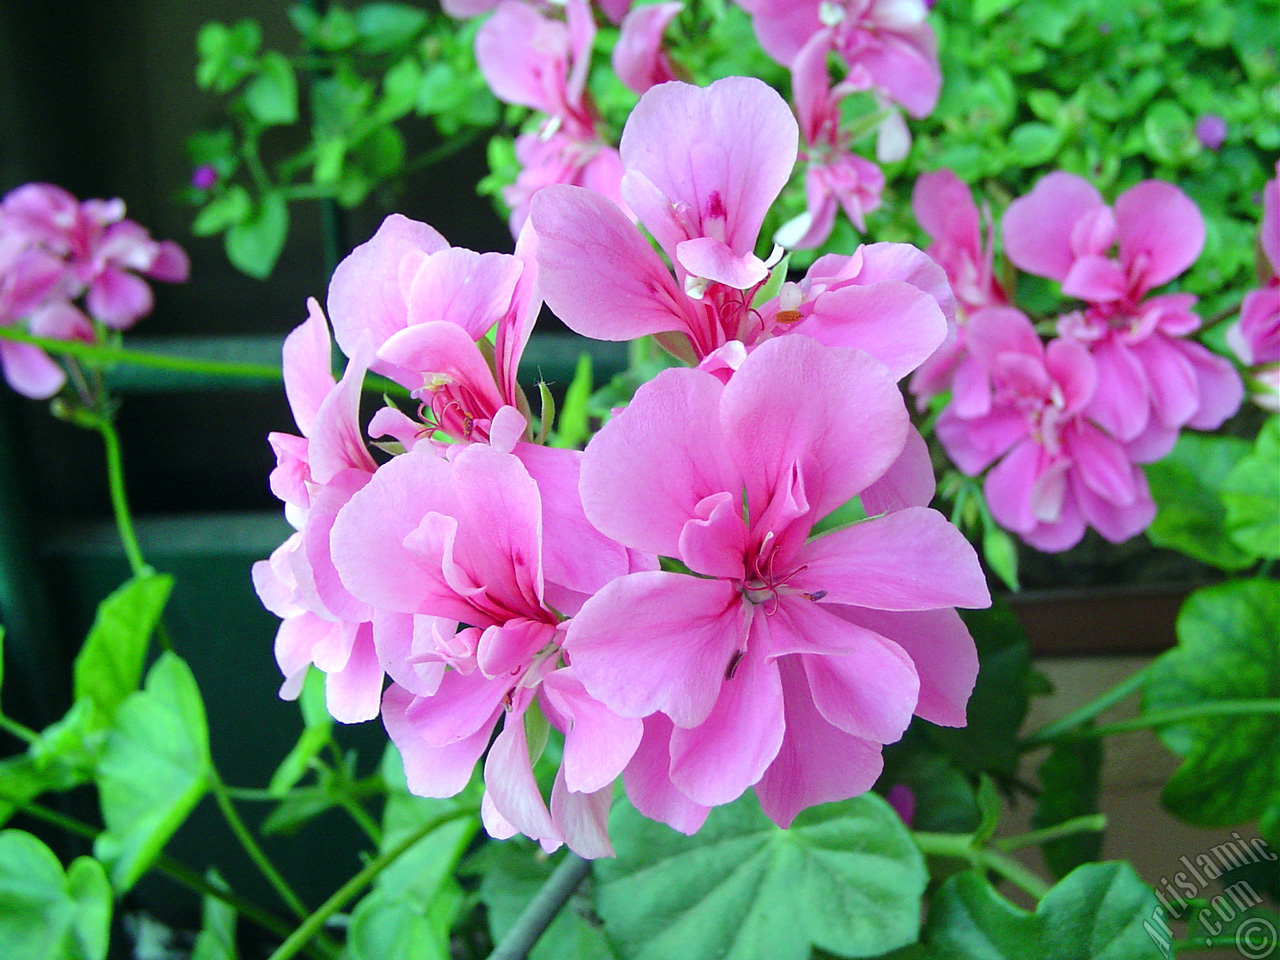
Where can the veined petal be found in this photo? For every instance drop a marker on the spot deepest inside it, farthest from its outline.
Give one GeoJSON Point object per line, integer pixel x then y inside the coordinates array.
{"type": "Point", "coordinates": [658, 642]}
{"type": "Point", "coordinates": [472, 290]}
{"type": "Point", "coordinates": [431, 771]}
{"type": "Point", "coordinates": [910, 560]}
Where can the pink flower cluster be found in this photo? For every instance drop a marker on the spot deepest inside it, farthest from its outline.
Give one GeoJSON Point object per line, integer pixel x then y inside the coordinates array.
{"type": "Point", "coordinates": [662, 599]}
{"type": "Point", "coordinates": [1067, 424]}
{"type": "Point", "coordinates": [1256, 338]}
{"type": "Point", "coordinates": [55, 249]}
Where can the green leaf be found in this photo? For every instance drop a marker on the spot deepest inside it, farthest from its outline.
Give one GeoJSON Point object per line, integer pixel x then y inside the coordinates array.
{"type": "Point", "coordinates": [217, 938]}
{"type": "Point", "coordinates": [1169, 132]}
{"type": "Point", "coordinates": [845, 877]}
{"type": "Point", "coordinates": [1251, 495]}
{"type": "Point", "coordinates": [1096, 913]}
{"type": "Point", "coordinates": [574, 425]}
{"type": "Point", "coordinates": [254, 245]}
{"type": "Point", "coordinates": [984, 10]}
{"type": "Point", "coordinates": [316, 734]}
{"type": "Point", "coordinates": [1185, 485]}
{"type": "Point", "coordinates": [154, 770]}
{"type": "Point", "coordinates": [513, 875]}
{"type": "Point", "coordinates": [231, 207]}
{"type": "Point", "coordinates": [400, 89]}
{"type": "Point", "coordinates": [989, 809]}
{"type": "Point", "coordinates": [383, 27]}
{"type": "Point", "coordinates": [1034, 143]}
{"type": "Point", "coordinates": [109, 665]}
{"type": "Point", "coordinates": [1069, 781]}
{"type": "Point", "coordinates": [272, 97]}
{"type": "Point", "coordinates": [1000, 551]}
{"type": "Point", "coordinates": [46, 914]}
{"type": "Point", "coordinates": [1228, 649]}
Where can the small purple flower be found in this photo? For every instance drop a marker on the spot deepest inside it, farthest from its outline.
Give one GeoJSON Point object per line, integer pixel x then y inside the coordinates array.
{"type": "Point", "coordinates": [1211, 130]}
{"type": "Point", "coordinates": [204, 176]}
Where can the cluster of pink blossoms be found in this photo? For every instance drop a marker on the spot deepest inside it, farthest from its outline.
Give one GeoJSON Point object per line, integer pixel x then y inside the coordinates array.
{"type": "Point", "coordinates": [659, 598]}
{"type": "Point", "coordinates": [1256, 338]}
{"type": "Point", "coordinates": [54, 250]}
{"type": "Point", "coordinates": [539, 56]}
{"type": "Point", "coordinates": [1068, 423]}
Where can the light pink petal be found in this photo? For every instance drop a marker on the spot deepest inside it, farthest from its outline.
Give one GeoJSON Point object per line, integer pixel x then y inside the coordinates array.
{"type": "Point", "coordinates": [811, 88]}
{"type": "Point", "coordinates": [516, 326]}
{"type": "Point", "coordinates": [524, 56]}
{"type": "Point", "coordinates": [945, 210]}
{"type": "Point", "coordinates": [1073, 371]}
{"type": "Point", "coordinates": [325, 504]}
{"type": "Point", "coordinates": [894, 321]}
{"type": "Point", "coordinates": [939, 644]}
{"type": "Point", "coordinates": [1120, 403]}
{"type": "Point", "coordinates": [368, 539]}
{"type": "Point", "coordinates": [300, 637]}
{"type": "Point", "coordinates": [730, 750]}
{"type": "Point", "coordinates": [713, 260]}
{"type": "Point", "coordinates": [1061, 533]}
{"type": "Point", "coordinates": [582, 34]}
{"type": "Point", "coordinates": [910, 560]}
{"type": "Point", "coordinates": [599, 744]}
{"type": "Point", "coordinates": [400, 639]}
{"type": "Point", "coordinates": [909, 482]}
{"type": "Point", "coordinates": [31, 371]}
{"type": "Point", "coordinates": [975, 444]}
{"type": "Point", "coordinates": [834, 414]}
{"type": "Point", "coordinates": [1010, 484]}
{"type": "Point", "coordinates": [335, 443]}
{"type": "Point", "coordinates": [1118, 522]}
{"type": "Point", "coordinates": [596, 271]}
{"type": "Point", "coordinates": [905, 66]}
{"type": "Point", "coordinates": [648, 781]}
{"type": "Point", "coordinates": [507, 647]}
{"type": "Point", "coordinates": [354, 693]}
{"type": "Point", "coordinates": [861, 682]}
{"type": "Point", "coordinates": [657, 642]}
{"type": "Point", "coordinates": [816, 762]}
{"type": "Point", "coordinates": [996, 331]}
{"type": "Point", "coordinates": [1161, 233]}
{"type": "Point", "coordinates": [726, 150]}
{"type": "Point", "coordinates": [1269, 225]}
{"type": "Point", "coordinates": [971, 389]}
{"type": "Point", "coordinates": [171, 263]}
{"type": "Point", "coordinates": [715, 541]}
{"type": "Point", "coordinates": [426, 350]}
{"type": "Point", "coordinates": [462, 705]}
{"type": "Point", "coordinates": [575, 554]}
{"type": "Point", "coordinates": [308, 371]}
{"type": "Point", "coordinates": [118, 298]}
{"type": "Point", "coordinates": [365, 291]}
{"type": "Point", "coordinates": [646, 471]}
{"type": "Point", "coordinates": [472, 290]}
{"type": "Point", "coordinates": [511, 787]}
{"type": "Point", "coordinates": [582, 818]}
{"type": "Point", "coordinates": [1218, 386]}
{"type": "Point", "coordinates": [59, 320]}
{"type": "Point", "coordinates": [1037, 227]}
{"type": "Point", "coordinates": [1095, 279]}
{"type": "Point", "coordinates": [638, 57]}
{"type": "Point", "coordinates": [1171, 379]}
{"type": "Point", "coordinates": [431, 771]}
{"type": "Point", "coordinates": [1101, 463]}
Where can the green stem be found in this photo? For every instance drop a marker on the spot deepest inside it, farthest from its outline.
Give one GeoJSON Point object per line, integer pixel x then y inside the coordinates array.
{"type": "Point", "coordinates": [1084, 714]}
{"type": "Point", "coordinates": [164, 864]}
{"type": "Point", "coordinates": [960, 846]}
{"type": "Point", "coordinates": [542, 909]}
{"type": "Point", "coordinates": [312, 924]}
{"type": "Point", "coordinates": [105, 353]}
{"type": "Point", "coordinates": [1091, 823]}
{"type": "Point", "coordinates": [119, 501]}
{"type": "Point", "coordinates": [19, 730]}
{"type": "Point", "coordinates": [362, 819]}
{"type": "Point", "coordinates": [251, 847]}
{"type": "Point", "coordinates": [1164, 718]}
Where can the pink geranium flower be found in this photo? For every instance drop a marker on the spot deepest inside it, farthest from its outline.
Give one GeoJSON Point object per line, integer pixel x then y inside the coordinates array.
{"type": "Point", "coordinates": [1152, 379]}
{"type": "Point", "coordinates": [528, 58]}
{"type": "Point", "coordinates": [639, 59]}
{"type": "Point", "coordinates": [946, 211]}
{"type": "Point", "coordinates": [1256, 338]}
{"type": "Point", "coordinates": [103, 252]}
{"type": "Point", "coordinates": [780, 661]}
{"type": "Point", "coordinates": [887, 44]}
{"type": "Point", "coordinates": [835, 176]}
{"type": "Point", "coordinates": [604, 280]}
{"type": "Point", "coordinates": [460, 540]}
{"type": "Point", "coordinates": [1057, 470]}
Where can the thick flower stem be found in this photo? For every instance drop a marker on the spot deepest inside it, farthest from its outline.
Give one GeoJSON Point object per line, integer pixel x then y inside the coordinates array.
{"type": "Point", "coordinates": [104, 353]}
{"type": "Point", "coordinates": [1090, 823]}
{"type": "Point", "coordinates": [961, 847]}
{"type": "Point", "coordinates": [251, 847]}
{"type": "Point", "coordinates": [1084, 714]}
{"type": "Point", "coordinates": [310, 927]}
{"type": "Point", "coordinates": [542, 909]}
{"type": "Point", "coordinates": [119, 501]}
